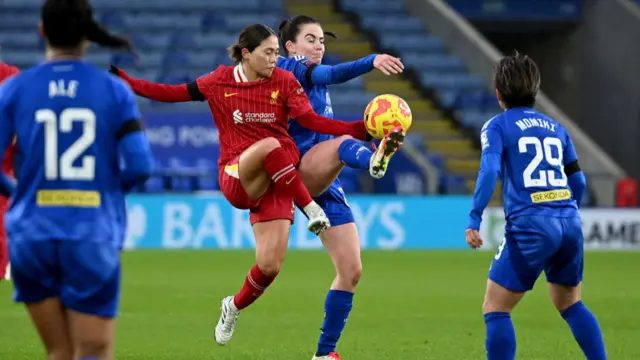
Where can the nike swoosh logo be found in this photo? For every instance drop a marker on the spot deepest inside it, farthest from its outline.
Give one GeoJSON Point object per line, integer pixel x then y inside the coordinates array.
{"type": "Point", "coordinates": [290, 180]}
{"type": "Point", "coordinates": [228, 95]}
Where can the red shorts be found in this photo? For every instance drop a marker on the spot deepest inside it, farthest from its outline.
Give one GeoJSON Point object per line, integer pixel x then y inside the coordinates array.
{"type": "Point", "coordinates": [272, 205]}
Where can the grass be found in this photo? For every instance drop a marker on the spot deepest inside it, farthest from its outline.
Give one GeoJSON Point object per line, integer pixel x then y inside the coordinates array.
{"type": "Point", "coordinates": [409, 305]}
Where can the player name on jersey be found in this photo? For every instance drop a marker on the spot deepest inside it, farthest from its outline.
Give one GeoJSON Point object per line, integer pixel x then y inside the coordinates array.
{"type": "Point", "coordinates": [528, 123]}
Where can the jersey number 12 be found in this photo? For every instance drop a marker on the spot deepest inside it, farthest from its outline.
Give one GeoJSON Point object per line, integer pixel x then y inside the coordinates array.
{"type": "Point", "coordinates": [62, 168]}
{"type": "Point", "coordinates": [543, 152]}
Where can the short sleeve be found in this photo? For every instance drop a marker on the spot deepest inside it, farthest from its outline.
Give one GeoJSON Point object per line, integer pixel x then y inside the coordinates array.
{"type": "Point", "coordinates": [491, 137]}
{"type": "Point", "coordinates": [297, 101]}
{"type": "Point", "coordinates": [569, 151]}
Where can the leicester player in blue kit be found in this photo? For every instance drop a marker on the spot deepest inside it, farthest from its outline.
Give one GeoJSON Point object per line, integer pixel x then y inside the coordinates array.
{"type": "Point", "coordinates": [82, 148]}
{"type": "Point", "coordinates": [542, 185]}
{"type": "Point", "coordinates": [324, 156]}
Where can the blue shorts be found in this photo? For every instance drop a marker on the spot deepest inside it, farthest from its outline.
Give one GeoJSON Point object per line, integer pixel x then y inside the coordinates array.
{"type": "Point", "coordinates": [536, 243]}
{"type": "Point", "coordinates": [85, 275]}
{"type": "Point", "coordinates": [334, 203]}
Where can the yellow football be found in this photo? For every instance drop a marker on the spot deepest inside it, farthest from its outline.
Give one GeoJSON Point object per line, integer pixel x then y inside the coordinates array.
{"type": "Point", "coordinates": [386, 112]}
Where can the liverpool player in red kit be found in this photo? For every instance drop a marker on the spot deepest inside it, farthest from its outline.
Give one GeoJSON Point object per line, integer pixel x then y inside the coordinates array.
{"type": "Point", "coordinates": [7, 167]}
{"type": "Point", "coordinates": [251, 104]}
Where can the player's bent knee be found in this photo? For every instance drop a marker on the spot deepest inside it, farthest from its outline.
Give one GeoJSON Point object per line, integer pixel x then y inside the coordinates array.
{"type": "Point", "coordinates": [92, 348]}
{"type": "Point", "coordinates": [270, 268]}
{"type": "Point", "coordinates": [343, 138]}
{"type": "Point", "coordinates": [564, 296]}
{"type": "Point", "coordinates": [351, 275]}
{"type": "Point", "coordinates": [269, 143]}
{"type": "Point", "coordinates": [500, 299]}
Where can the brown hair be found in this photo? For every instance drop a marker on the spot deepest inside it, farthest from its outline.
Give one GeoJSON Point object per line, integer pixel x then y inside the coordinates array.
{"type": "Point", "coordinates": [250, 38]}
{"type": "Point", "coordinates": [517, 78]}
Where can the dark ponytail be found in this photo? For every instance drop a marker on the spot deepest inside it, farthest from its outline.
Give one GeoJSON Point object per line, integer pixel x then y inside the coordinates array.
{"type": "Point", "coordinates": [67, 23]}
{"type": "Point", "coordinates": [98, 34]}
{"type": "Point", "coordinates": [250, 38]}
{"type": "Point", "coordinates": [289, 29]}
{"type": "Point", "coordinates": [235, 52]}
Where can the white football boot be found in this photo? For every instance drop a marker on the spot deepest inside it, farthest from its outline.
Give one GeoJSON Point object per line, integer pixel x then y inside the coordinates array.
{"type": "Point", "coordinates": [227, 323]}
{"type": "Point", "coordinates": [391, 143]}
{"type": "Point", "coordinates": [318, 220]}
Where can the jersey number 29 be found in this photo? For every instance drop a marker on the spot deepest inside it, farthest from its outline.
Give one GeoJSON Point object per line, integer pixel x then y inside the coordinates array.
{"type": "Point", "coordinates": [62, 168]}
{"type": "Point", "coordinates": [543, 152]}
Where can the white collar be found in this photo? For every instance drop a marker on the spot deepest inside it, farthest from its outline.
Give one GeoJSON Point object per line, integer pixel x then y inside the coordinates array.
{"type": "Point", "coordinates": [239, 75]}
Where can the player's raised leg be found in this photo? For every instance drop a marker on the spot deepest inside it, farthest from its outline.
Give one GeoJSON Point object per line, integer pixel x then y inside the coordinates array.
{"type": "Point", "coordinates": [389, 145]}
{"type": "Point", "coordinates": [343, 245]}
{"type": "Point", "coordinates": [564, 274]}
{"type": "Point", "coordinates": [265, 163]}
{"type": "Point", "coordinates": [272, 184]}
{"type": "Point", "coordinates": [322, 164]}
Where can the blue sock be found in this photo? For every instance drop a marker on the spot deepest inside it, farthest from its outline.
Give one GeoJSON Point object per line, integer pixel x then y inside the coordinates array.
{"type": "Point", "coordinates": [354, 154]}
{"type": "Point", "coordinates": [586, 330]}
{"type": "Point", "coordinates": [501, 337]}
{"type": "Point", "coordinates": [337, 307]}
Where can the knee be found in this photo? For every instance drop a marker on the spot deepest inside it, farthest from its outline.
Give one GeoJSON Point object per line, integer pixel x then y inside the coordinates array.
{"type": "Point", "coordinates": [92, 348]}
{"type": "Point", "coordinates": [351, 274]}
{"type": "Point", "coordinates": [270, 143]}
{"type": "Point", "coordinates": [343, 138]}
{"type": "Point", "coordinates": [270, 265]}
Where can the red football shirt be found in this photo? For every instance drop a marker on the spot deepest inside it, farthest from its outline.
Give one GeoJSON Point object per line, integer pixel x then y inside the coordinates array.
{"type": "Point", "coordinates": [7, 162]}
{"type": "Point", "coordinates": [246, 112]}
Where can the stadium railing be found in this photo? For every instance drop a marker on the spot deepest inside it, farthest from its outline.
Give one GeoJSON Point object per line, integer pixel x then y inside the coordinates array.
{"type": "Point", "coordinates": [481, 56]}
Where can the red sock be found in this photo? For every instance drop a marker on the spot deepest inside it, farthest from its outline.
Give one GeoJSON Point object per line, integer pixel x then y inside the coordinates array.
{"type": "Point", "coordinates": [255, 284]}
{"type": "Point", "coordinates": [284, 175]}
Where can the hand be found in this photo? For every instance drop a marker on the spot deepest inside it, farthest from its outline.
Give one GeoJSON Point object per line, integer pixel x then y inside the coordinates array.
{"type": "Point", "coordinates": [388, 64]}
{"type": "Point", "coordinates": [473, 238]}
{"type": "Point", "coordinates": [114, 70]}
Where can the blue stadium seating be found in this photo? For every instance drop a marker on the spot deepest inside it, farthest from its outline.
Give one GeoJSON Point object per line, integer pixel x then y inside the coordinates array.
{"type": "Point", "coordinates": [179, 40]}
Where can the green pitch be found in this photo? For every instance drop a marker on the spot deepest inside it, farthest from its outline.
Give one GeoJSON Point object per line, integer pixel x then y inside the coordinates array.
{"type": "Point", "coordinates": [410, 305]}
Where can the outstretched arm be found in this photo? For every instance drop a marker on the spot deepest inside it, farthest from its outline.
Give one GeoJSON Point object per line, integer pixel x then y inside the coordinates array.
{"type": "Point", "coordinates": [314, 74]}
{"type": "Point", "coordinates": [161, 92]}
{"type": "Point", "coordinates": [338, 74]}
{"type": "Point", "coordinates": [325, 125]}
